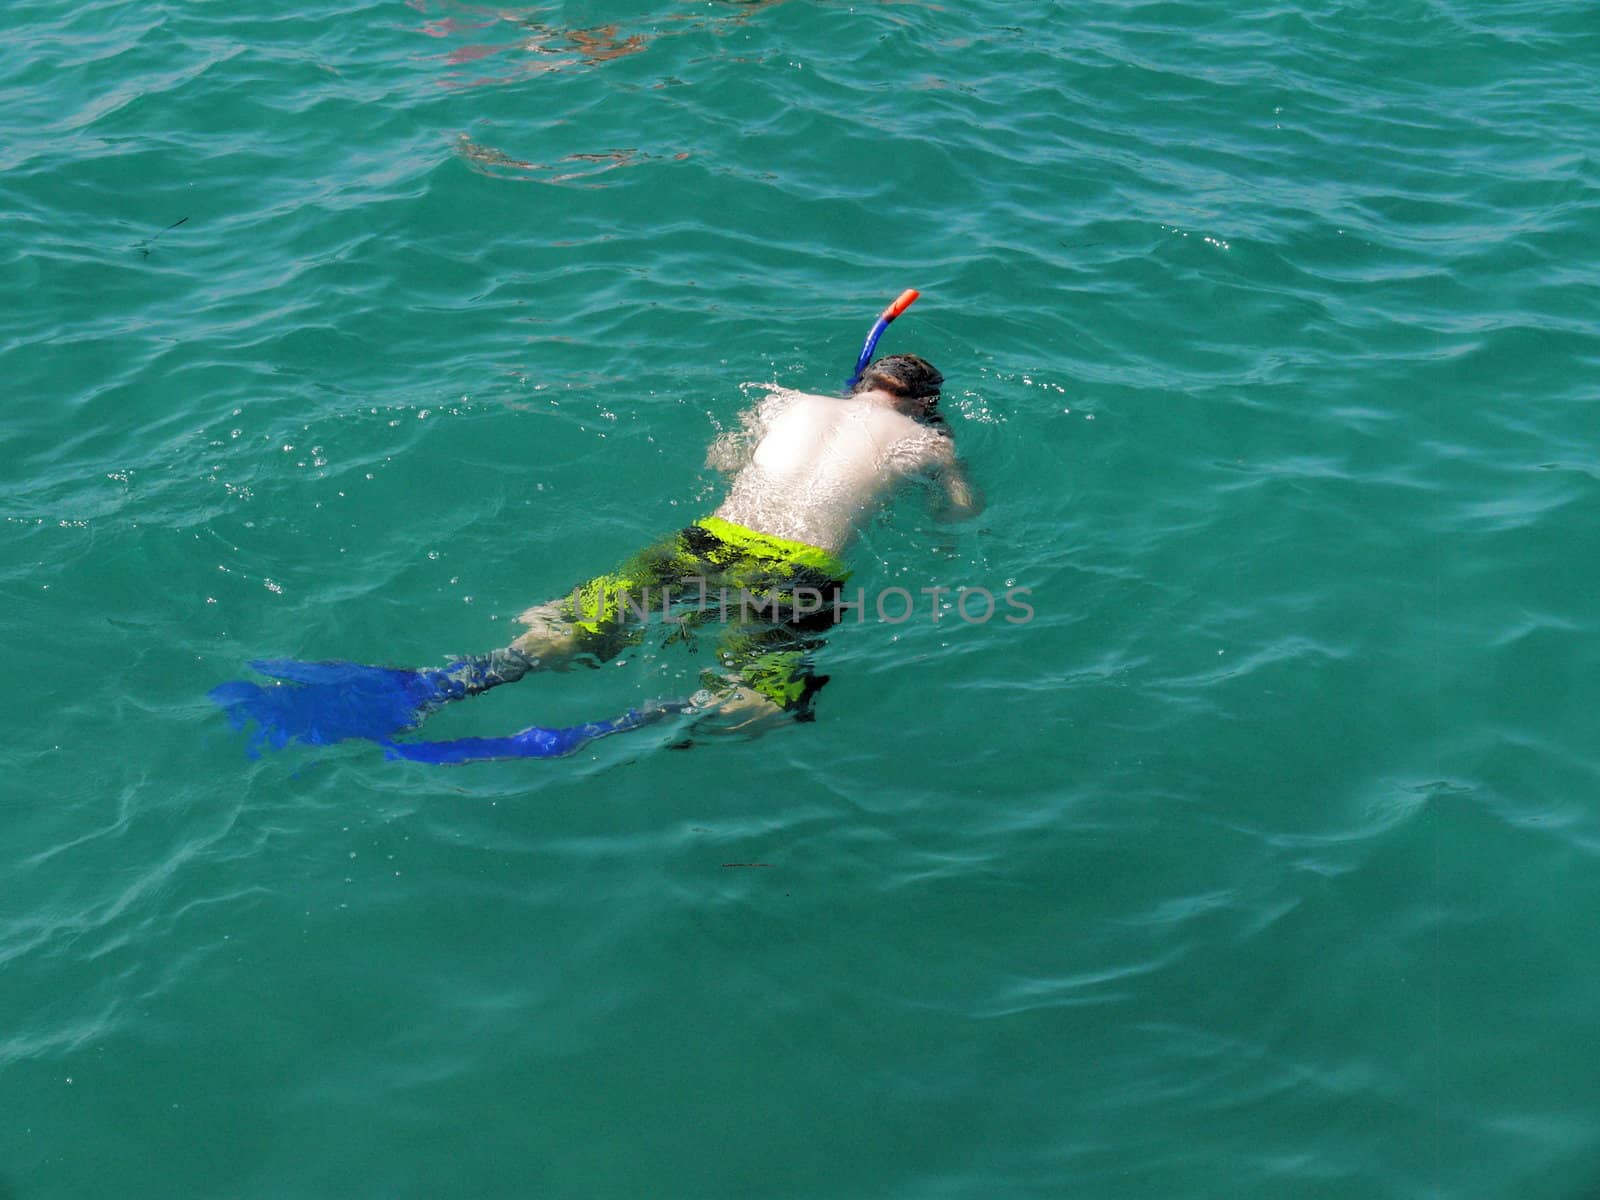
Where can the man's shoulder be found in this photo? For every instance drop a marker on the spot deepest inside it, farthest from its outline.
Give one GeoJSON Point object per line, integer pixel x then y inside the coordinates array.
{"type": "Point", "coordinates": [777, 394]}
{"type": "Point", "coordinates": [916, 448]}
{"type": "Point", "coordinates": [932, 433]}
{"type": "Point", "coordinates": [780, 401]}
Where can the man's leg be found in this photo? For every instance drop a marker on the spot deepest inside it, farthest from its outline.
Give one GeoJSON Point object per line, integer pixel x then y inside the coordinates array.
{"type": "Point", "coordinates": [320, 703]}
{"type": "Point", "coordinates": [767, 674]}
{"type": "Point", "coordinates": [552, 639]}
{"type": "Point", "coordinates": [602, 617]}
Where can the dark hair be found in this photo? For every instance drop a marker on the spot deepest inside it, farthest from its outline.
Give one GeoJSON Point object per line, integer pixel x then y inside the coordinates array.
{"type": "Point", "coordinates": [904, 375]}
{"type": "Point", "coordinates": [909, 376]}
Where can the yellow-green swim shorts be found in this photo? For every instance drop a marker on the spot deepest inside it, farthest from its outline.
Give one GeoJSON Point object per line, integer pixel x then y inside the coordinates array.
{"type": "Point", "coordinates": [764, 590]}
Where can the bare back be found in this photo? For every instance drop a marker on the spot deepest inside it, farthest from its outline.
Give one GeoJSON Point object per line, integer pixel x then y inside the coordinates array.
{"type": "Point", "coordinates": [821, 464]}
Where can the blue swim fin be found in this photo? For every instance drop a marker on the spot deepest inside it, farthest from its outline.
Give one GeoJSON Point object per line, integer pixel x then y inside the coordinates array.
{"type": "Point", "coordinates": [533, 742]}
{"type": "Point", "coordinates": [320, 703]}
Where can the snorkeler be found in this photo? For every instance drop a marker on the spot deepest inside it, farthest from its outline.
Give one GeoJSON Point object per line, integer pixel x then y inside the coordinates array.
{"type": "Point", "coordinates": [806, 470]}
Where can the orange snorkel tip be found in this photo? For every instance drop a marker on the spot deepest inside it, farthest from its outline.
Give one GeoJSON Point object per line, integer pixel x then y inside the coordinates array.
{"type": "Point", "coordinates": [901, 302]}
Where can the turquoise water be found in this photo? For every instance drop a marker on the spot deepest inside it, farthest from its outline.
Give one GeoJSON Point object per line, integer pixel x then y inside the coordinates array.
{"type": "Point", "coordinates": [1262, 862]}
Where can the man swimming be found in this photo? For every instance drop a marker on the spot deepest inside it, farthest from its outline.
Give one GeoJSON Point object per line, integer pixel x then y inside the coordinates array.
{"type": "Point", "coordinates": [806, 470]}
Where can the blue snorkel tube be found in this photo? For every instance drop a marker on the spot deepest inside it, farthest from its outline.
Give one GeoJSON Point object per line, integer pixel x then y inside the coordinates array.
{"type": "Point", "coordinates": [902, 302]}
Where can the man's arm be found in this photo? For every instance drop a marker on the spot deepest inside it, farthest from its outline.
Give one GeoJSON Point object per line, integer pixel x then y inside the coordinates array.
{"type": "Point", "coordinates": [959, 498]}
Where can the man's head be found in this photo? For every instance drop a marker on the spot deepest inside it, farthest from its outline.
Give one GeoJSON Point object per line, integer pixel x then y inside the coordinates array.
{"type": "Point", "coordinates": [912, 380]}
